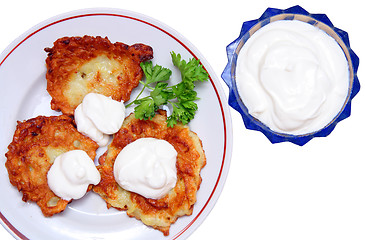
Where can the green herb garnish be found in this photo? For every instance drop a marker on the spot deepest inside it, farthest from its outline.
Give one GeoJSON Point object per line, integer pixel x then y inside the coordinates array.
{"type": "Point", "coordinates": [181, 96]}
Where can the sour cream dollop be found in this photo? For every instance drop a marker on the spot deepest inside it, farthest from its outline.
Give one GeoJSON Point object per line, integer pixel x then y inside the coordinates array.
{"type": "Point", "coordinates": [99, 116]}
{"type": "Point", "coordinates": [292, 76]}
{"type": "Point", "coordinates": [71, 174]}
{"type": "Point", "coordinates": [147, 166]}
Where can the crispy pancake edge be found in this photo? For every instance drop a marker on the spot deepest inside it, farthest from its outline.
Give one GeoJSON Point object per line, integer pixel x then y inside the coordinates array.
{"type": "Point", "coordinates": [69, 54]}
{"type": "Point", "coordinates": [36, 142]}
{"type": "Point", "coordinates": [159, 214]}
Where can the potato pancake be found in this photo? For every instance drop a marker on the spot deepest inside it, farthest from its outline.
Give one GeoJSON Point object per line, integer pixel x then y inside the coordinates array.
{"type": "Point", "coordinates": [77, 66]}
{"type": "Point", "coordinates": [36, 144]}
{"type": "Point", "coordinates": [161, 213]}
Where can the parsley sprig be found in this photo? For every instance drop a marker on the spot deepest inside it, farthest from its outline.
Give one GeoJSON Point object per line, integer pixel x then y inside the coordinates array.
{"type": "Point", "coordinates": [181, 96]}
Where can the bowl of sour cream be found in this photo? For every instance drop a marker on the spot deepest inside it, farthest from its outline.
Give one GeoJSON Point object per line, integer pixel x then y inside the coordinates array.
{"type": "Point", "coordinates": [291, 75]}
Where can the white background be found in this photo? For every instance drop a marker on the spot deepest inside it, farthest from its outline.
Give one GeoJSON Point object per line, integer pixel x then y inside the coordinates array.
{"type": "Point", "coordinates": [273, 191]}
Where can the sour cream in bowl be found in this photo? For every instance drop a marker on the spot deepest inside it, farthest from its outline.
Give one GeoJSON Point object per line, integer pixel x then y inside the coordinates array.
{"type": "Point", "coordinates": [291, 75]}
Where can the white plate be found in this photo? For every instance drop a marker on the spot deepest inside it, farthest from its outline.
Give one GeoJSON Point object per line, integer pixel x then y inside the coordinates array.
{"type": "Point", "coordinates": [23, 95]}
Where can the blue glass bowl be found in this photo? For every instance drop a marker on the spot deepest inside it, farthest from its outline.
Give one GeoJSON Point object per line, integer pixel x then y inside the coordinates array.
{"type": "Point", "coordinates": [297, 13]}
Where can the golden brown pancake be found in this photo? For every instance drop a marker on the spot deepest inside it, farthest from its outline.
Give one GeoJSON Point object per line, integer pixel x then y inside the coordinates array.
{"type": "Point", "coordinates": [77, 66]}
{"type": "Point", "coordinates": [161, 213]}
{"type": "Point", "coordinates": [36, 144]}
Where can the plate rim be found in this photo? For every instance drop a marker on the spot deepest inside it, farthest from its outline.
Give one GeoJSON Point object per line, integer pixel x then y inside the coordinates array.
{"type": "Point", "coordinates": [186, 44]}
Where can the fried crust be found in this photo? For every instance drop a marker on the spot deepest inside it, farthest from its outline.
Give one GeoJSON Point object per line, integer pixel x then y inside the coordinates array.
{"type": "Point", "coordinates": [161, 213]}
{"type": "Point", "coordinates": [36, 143]}
{"type": "Point", "coordinates": [69, 78]}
